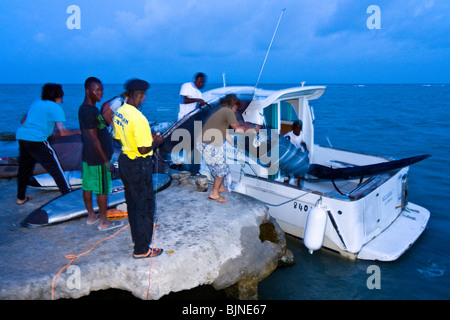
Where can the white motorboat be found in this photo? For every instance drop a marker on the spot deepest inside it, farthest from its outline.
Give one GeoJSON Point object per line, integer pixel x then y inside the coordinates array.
{"type": "Point", "coordinates": [352, 203]}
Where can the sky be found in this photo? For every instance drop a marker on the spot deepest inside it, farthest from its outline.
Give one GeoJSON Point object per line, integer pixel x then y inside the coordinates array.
{"type": "Point", "coordinates": [168, 41]}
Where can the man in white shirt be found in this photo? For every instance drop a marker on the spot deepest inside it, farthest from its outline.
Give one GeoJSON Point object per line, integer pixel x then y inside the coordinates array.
{"type": "Point", "coordinates": [296, 136]}
{"type": "Point", "coordinates": [191, 96]}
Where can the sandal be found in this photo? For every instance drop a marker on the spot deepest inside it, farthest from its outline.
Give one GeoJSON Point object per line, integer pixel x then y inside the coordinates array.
{"type": "Point", "coordinates": [97, 219]}
{"type": "Point", "coordinates": [24, 200]}
{"type": "Point", "coordinates": [151, 253]}
{"type": "Point", "coordinates": [220, 199]}
{"type": "Point", "coordinates": [113, 225]}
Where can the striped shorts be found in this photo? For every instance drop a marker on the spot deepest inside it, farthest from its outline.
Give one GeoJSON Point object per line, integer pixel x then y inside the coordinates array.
{"type": "Point", "coordinates": [96, 179]}
{"type": "Point", "coordinates": [215, 159]}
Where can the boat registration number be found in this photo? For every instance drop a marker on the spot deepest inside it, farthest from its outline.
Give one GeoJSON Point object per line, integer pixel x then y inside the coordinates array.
{"type": "Point", "coordinates": [300, 206]}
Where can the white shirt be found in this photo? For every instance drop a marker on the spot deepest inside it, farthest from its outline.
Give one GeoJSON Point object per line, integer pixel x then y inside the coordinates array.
{"type": "Point", "coordinates": [188, 90]}
{"type": "Point", "coordinates": [296, 140]}
{"type": "Point", "coordinates": [116, 103]}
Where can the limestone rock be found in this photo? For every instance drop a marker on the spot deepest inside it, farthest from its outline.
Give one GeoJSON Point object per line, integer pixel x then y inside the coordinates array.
{"type": "Point", "coordinates": [230, 246]}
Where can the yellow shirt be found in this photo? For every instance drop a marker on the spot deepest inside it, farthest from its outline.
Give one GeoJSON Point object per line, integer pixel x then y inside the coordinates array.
{"type": "Point", "coordinates": [132, 129]}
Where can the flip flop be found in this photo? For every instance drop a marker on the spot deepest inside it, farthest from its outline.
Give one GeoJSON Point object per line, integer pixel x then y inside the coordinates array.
{"type": "Point", "coordinates": [24, 200]}
{"type": "Point", "coordinates": [90, 223]}
{"type": "Point", "coordinates": [220, 199]}
{"type": "Point", "coordinates": [114, 225]}
{"type": "Point", "coordinates": [151, 253]}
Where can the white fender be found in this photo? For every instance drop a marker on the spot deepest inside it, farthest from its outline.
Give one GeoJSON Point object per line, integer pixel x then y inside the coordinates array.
{"type": "Point", "coordinates": [316, 223]}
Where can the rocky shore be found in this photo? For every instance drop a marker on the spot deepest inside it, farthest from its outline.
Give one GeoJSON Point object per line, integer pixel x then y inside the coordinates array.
{"type": "Point", "coordinates": [230, 247]}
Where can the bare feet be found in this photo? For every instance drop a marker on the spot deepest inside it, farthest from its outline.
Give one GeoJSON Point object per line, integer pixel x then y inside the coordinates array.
{"type": "Point", "coordinates": [24, 200]}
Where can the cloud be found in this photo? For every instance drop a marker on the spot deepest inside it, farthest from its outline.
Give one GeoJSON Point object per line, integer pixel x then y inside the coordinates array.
{"type": "Point", "coordinates": [422, 7]}
{"type": "Point", "coordinates": [195, 28]}
{"type": "Point", "coordinates": [172, 39]}
{"type": "Point", "coordinates": [41, 37]}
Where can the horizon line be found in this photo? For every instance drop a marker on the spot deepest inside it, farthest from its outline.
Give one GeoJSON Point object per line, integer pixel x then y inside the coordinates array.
{"type": "Point", "coordinates": [247, 84]}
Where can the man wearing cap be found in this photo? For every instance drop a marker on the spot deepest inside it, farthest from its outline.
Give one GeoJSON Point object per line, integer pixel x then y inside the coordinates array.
{"type": "Point", "coordinates": [132, 129]}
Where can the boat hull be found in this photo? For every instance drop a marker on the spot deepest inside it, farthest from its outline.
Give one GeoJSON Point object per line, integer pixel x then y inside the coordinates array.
{"type": "Point", "coordinates": [364, 196]}
{"type": "Point", "coordinates": [361, 224]}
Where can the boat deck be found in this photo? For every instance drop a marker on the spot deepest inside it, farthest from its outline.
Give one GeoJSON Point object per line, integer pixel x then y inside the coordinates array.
{"type": "Point", "coordinates": [346, 189]}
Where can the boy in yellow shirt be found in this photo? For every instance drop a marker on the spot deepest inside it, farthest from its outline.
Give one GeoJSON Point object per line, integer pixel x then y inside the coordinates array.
{"type": "Point", "coordinates": [132, 129]}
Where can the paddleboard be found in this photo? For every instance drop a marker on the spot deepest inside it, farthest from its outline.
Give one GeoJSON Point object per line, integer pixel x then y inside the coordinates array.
{"type": "Point", "coordinates": [46, 182]}
{"type": "Point", "coordinates": [71, 205]}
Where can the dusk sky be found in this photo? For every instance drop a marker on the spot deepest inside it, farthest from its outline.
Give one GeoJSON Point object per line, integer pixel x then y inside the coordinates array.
{"type": "Point", "coordinates": [167, 41]}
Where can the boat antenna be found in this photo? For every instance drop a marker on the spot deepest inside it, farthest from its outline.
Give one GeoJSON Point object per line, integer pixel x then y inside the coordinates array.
{"type": "Point", "coordinates": [224, 80]}
{"type": "Point", "coordinates": [268, 50]}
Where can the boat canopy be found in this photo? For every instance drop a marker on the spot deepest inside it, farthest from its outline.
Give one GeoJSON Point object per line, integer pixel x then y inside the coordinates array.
{"type": "Point", "coordinates": [261, 98]}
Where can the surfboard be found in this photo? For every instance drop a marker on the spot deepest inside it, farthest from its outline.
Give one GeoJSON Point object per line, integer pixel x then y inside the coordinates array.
{"type": "Point", "coordinates": [46, 182]}
{"type": "Point", "coordinates": [323, 172]}
{"type": "Point", "coordinates": [71, 205]}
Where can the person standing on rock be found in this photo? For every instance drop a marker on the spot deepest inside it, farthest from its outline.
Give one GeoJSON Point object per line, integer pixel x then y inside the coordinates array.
{"type": "Point", "coordinates": [42, 117]}
{"type": "Point", "coordinates": [96, 155]}
{"type": "Point", "coordinates": [212, 142]}
{"type": "Point", "coordinates": [132, 129]}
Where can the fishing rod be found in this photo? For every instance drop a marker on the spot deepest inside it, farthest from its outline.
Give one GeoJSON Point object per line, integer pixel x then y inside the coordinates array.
{"type": "Point", "coordinates": [178, 123]}
{"type": "Point", "coordinates": [268, 50]}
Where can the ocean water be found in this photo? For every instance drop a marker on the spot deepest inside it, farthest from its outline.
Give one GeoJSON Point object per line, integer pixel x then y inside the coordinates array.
{"type": "Point", "coordinates": [396, 120]}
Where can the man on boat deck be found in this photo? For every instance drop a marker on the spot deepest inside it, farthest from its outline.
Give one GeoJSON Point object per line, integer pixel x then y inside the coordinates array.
{"type": "Point", "coordinates": [211, 142]}
{"type": "Point", "coordinates": [191, 96]}
{"type": "Point", "coordinates": [96, 156]}
{"type": "Point", "coordinates": [297, 138]}
{"type": "Point", "coordinates": [132, 129]}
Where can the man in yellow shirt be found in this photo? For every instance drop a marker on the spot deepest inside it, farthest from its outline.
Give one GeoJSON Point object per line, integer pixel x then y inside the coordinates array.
{"type": "Point", "coordinates": [132, 129]}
